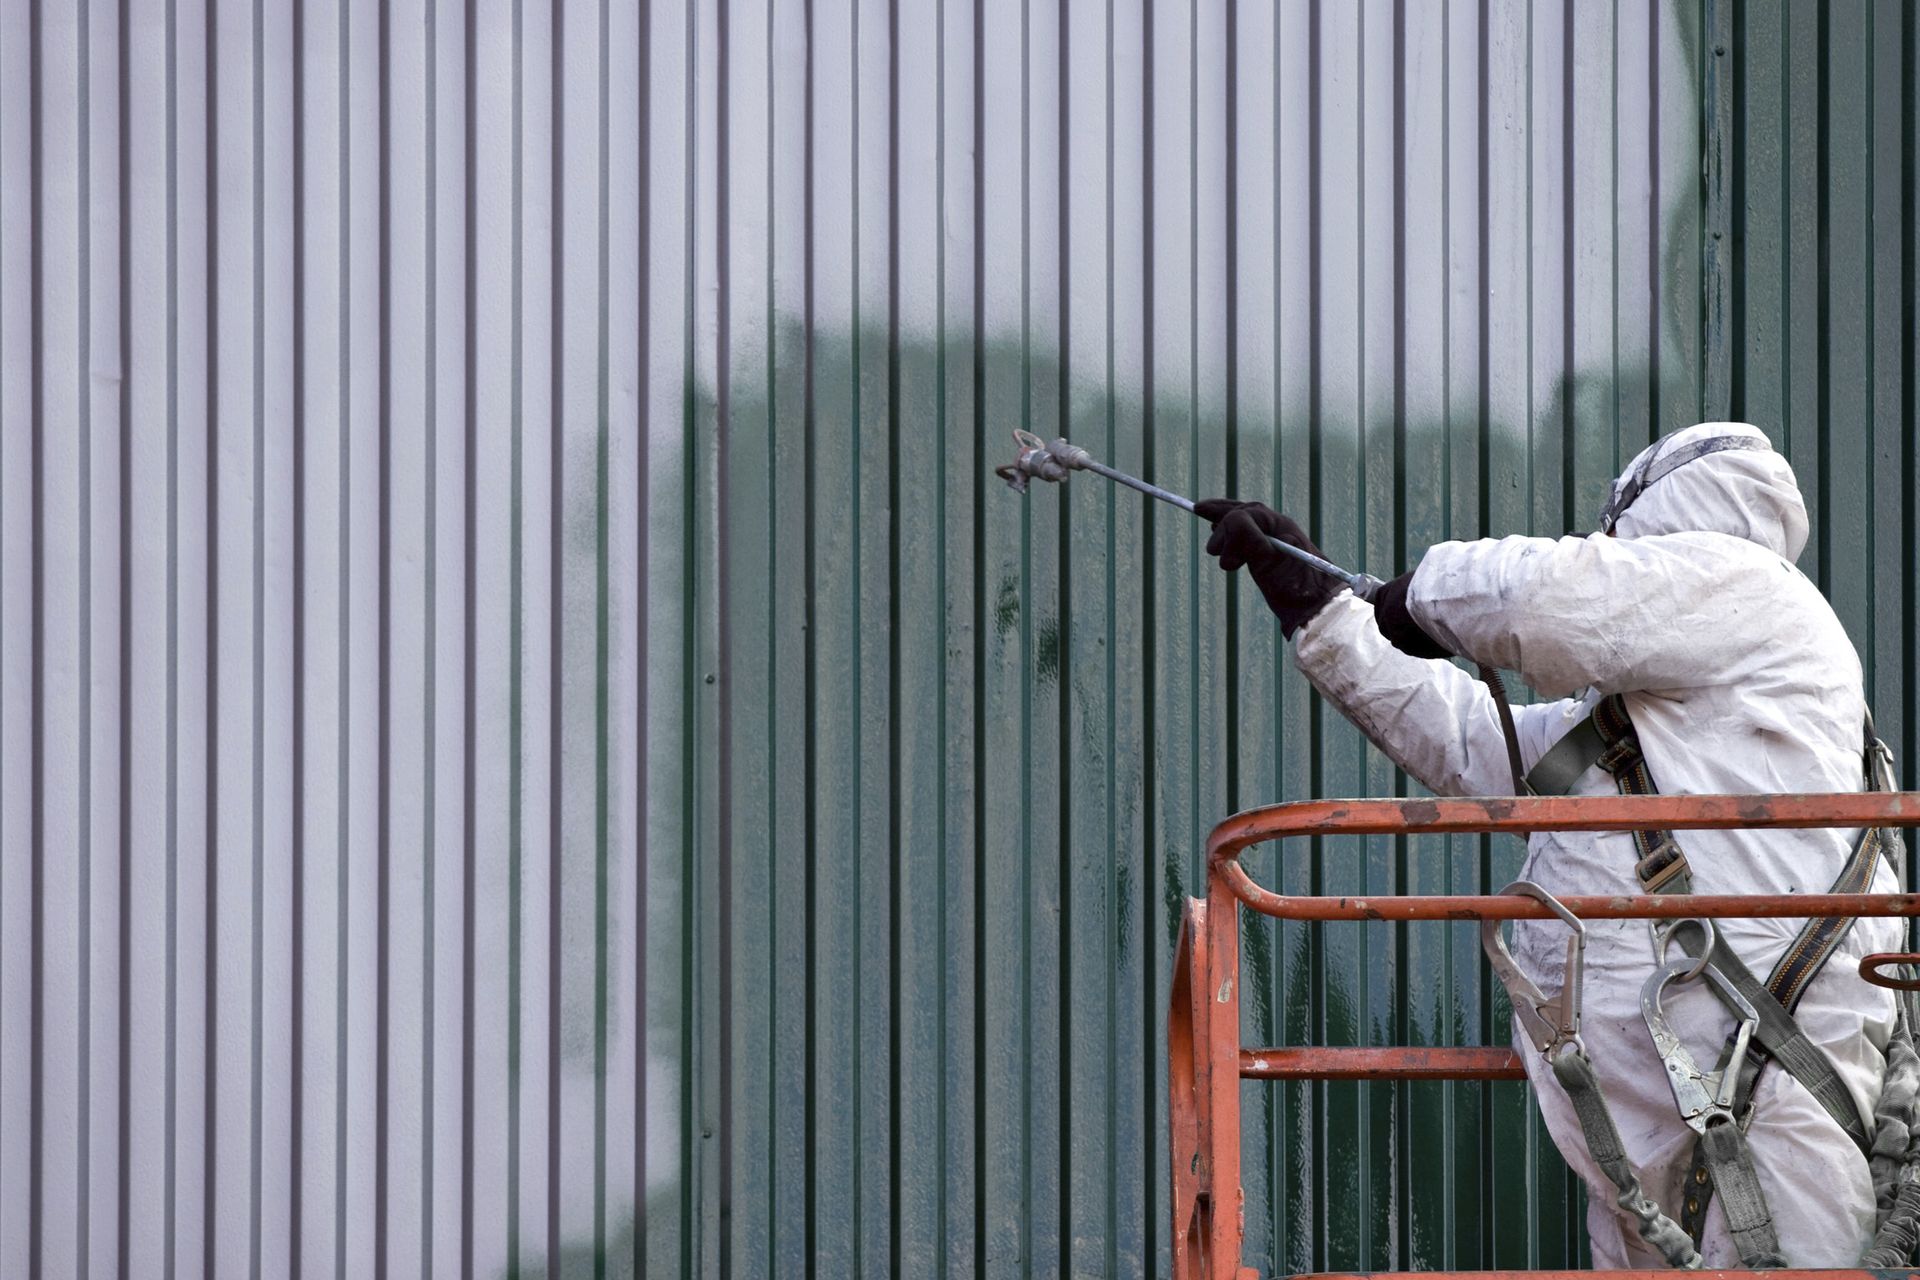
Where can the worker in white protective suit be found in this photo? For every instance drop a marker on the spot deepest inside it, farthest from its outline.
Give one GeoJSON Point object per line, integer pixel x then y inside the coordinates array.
{"type": "Point", "coordinates": [1738, 678]}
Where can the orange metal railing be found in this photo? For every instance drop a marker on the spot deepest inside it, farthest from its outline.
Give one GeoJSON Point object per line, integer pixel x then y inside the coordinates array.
{"type": "Point", "coordinates": [1206, 1061]}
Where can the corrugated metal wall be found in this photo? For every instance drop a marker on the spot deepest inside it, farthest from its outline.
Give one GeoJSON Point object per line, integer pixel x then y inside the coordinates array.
{"type": "Point", "coordinates": [530, 740]}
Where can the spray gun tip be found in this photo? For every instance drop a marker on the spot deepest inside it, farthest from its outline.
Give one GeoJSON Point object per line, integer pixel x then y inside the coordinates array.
{"type": "Point", "coordinates": [1033, 462]}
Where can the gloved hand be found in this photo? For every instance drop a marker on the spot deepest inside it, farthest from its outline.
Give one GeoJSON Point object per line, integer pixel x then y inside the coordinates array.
{"type": "Point", "coordinates": [1294, 591]}
{"type": "Point", "coordinates": [1396, 623]}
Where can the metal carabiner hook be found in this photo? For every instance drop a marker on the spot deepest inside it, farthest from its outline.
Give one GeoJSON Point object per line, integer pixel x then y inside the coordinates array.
{"type": "Point", "coordinates": [1663, 931]}
{"type": "Point", "coordinates": [1702, 1097]}
{"type": "Point", "coordinates": [1549, 1023]}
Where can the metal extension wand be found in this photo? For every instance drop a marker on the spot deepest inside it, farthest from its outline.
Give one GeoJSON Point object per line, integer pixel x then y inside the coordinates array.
{"type": "Point", "coordinates": [1038, 460]}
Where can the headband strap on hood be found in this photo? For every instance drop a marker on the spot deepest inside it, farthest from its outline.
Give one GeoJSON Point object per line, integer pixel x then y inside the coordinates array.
{"type": "Point", "coordinates": [1658, 467]}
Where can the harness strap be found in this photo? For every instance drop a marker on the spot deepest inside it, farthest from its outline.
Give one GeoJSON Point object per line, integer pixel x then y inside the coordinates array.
{"type": "Point", "coordinates": [1749, 1221]}
{"type": "Point", "coordinates": [1662, 867]}
{"type": "Point", "coordinates": [1575, 1074]}
{"type": "Point", "coordinates": [1555, 773]}
{"type": "Point", "coordinates": [1606, 738]}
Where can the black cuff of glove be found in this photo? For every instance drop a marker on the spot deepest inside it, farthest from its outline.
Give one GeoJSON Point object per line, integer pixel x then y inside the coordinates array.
{"type": "Point", "coordinates": [1396, 623]}
{"type": "Point", "coordinates": [1295, 616]}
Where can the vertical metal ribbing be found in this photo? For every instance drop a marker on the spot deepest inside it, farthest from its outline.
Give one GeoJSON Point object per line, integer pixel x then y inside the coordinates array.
{"type": "Point", "coordinates": [1483, 322]}
{"type": "Point", "coordinates": [1655, 347]}
{"type": "Point", "coordinates": [555, 604]}
{"type": "Point", "coordinates": [1823, 223]}
{"type": "Point", "coordinates": [895, 879]}
{"type": "Point", "coordinates": [692, 1215]}
{"type": "Point", "coordinates": [36, 654]}
{"type": "Point", "coordinates": [1064, 752]}
{"type": "Point", "coordinates": [941, 1051]}
{"type": "Point", "coordinates": [601, 845]}
{"type": "Point", "coordinates": [83, 757]}
{"type": "Point", "coordinates": [1398, 1020]}
{"type": "Point", "coordinates": [1569, 164]}
{"type": "Point", "coordinates": [344, 733]}
{"type": "Point", "coordinates": [516, 676]}
{"type": "Point", "coordinates": [1154, 1173]}
{"type": "Point", "coordinates": [429, 941]}
{"type": "Point", "coordinates": [977, 389]}
{"type": "Point", "coordinates": [1315, 1158]}
{"type": "Point", "coordinates": [1734, 133]}
{"type": "Point", "coordinates": [383, 655]}
{"type": "Point", "coordinates": [602, 854]}
{"type": "Point", "coordinates": [469, 628]}
{"type": "Point", "coordinates": [1716, 243]}
{"type": "Point", "coordinates": [722, 992]}
{"type": "Point", "coordinates": [643, 490]}
{"type": "Point", "coordinates": [123, 1176]}
{"type": "Point", "coordinates": [172, 1084]}
{"type": "Point", "coordinates": [256, 925]}
{"type": "Point", "coordinates": [1909, 419]}
{"type": "Point", "coordinates": [210, 474]}
{"type": "Point", "coordinates": [297, 727]}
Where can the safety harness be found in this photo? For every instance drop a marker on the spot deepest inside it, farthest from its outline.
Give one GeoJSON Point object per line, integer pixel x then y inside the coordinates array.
{"type": "Point", "coordinates": [1718, 1104]}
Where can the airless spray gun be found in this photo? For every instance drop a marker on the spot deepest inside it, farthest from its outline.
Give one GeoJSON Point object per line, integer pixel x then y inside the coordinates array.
{"type": "Point", "coordinates": [1052, 462]}
{"type": "Point", "coordinates": [1038, 460]}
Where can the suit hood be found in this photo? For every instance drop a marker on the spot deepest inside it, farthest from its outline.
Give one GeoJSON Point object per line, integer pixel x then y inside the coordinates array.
{"type": "Point", "coordinates": [1716, 477]}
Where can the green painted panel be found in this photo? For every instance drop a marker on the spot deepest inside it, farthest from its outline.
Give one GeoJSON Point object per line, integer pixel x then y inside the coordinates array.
{"type": "Point", "coordinates": [1414, 271]}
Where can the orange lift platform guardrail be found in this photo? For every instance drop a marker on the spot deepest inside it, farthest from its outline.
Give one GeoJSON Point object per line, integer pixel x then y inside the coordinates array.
{"type": "Point", "coordinates": [1206, 1061]}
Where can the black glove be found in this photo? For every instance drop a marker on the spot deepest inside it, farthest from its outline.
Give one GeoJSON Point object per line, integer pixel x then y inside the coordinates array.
{"type": "Point", "coordinates": [1295, 591]}
{"type": "Point", "coordinates": [1396, 623]}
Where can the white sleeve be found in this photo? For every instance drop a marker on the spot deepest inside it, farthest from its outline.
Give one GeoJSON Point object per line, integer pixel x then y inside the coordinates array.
{"type": "Point", "coordinates": [1435, 720]}
{"type": "Point", "coordinates": [1620, 615]}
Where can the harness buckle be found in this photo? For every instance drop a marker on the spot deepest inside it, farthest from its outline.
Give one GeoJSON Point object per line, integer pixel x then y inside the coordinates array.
{"type": "Point", "coordinates": [1551, 1024]}
{"type": "Point", "coordinates": [1662, 864]}
{"type": "Point", "coordinates": [1623, 753]}
{"type": "Point", "coordinates": [1704, 1098]}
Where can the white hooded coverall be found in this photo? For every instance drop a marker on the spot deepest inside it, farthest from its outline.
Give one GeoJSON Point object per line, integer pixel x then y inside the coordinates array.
{"type": "Point", "coordinates": [1739, 678]}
